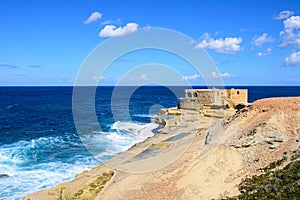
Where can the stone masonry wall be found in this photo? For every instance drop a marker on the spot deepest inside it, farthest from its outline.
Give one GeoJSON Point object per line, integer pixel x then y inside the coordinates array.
{"type": "Point", "coordinates": [188, 103]}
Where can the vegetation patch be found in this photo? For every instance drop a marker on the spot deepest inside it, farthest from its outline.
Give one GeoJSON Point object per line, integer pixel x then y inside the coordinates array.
{"type": "Point", "coordinates": [274, 184]}
{"type": "Point", "coordinates": [296, 155]}
{"type": "Point", "coordinates": [252, 132]}
{"type": "Point", "coordinates": [91, 191]}
{"type": "Point", "coordinates": [275, 164]}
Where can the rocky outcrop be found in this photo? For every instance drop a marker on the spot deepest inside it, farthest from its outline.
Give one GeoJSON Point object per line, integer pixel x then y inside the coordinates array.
{"type": "Point", "coordinates": [160, 119]}
{"type": "Point", "coordinates": [259, 135]}
{"type": "Point", "coordinates": [4, 175]}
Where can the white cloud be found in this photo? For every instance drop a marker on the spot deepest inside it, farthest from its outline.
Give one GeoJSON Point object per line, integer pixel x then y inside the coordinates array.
{"type": "Point", "coordinates": [93, 18]}
{"type": "Point", "coordinates": [214, 75]}
{"type": "Point", "coordinates": [268, 51]}
{"type": "Point", "coordinates": [259, 40]}
{"type": "Point", "coordinates": [293, 59]}
{"type": "Point", "coordinates": [228, 45]}
{"type": "Point", "coordinates": [98, 78]}
{"type": "Point", "coordinates": [218, 32]}
{"type": "Point", "coordinates": [292, 22]}
{"type": "Point", "coordinates": [147, 28]}
{"type": "Point", "coordinates": [291, 33]}
{"type": "Point", "coordinates": [113, 31]}
{"type": "Point", "coordinates": [218, 75]}
{"type": "Point", "coordinates": [283, 15]}
{"type": "Point", "coordinates": [143, 77]}
{"type": "Point", "coordinates": [191, 77]}
{"type": "Point", "coordinates": [226, 75]}
{"type": "Point", "coordinates": [117, 21]}
{"type": "Point", "coordinates": [292, 80]}
{"type": "Point", "coordinates": [260, 54]}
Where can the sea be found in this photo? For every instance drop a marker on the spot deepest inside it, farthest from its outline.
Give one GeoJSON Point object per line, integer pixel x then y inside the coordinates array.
{"type": "Point", "coordinates": [40, 146]}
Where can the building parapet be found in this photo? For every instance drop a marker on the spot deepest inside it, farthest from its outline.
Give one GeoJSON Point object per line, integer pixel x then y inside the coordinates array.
{"type": "Point", "coordinates": [197, 99]}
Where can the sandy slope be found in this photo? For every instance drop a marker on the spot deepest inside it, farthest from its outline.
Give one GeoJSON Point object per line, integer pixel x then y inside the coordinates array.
{"type": "Point", "coordinates": [208, 162]}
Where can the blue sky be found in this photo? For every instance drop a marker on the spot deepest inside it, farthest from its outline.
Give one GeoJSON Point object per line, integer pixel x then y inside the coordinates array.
{"type": "Point", "coordinates": [252, 42]}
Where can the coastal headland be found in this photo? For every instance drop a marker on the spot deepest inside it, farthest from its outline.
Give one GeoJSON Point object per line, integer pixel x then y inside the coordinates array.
{"type": "Point", "coordinates": [195, 155]}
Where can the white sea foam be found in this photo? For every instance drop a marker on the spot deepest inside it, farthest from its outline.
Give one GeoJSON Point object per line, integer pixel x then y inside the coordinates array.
{"type": "Point", "coordinates": [132, 132]}
{"type": "Point", "coordinates": [26, 174]}
{"type": "Point", "coordinates": [104, 145]}
{"type": "Point", "coordinates": [128, 126]}
{"type": "Point", "coordinates": [144, 116]}
{"type": "Point", "coordinates": [33, 165]}
{"type": "Point", "coordinates": [46, 175]}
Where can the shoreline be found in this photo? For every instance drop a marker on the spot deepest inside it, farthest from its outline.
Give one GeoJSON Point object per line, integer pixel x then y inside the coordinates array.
{"type": "Point", "coordinates": [155, 140]}
{"type": "Point", "coordinates": [185, 163]}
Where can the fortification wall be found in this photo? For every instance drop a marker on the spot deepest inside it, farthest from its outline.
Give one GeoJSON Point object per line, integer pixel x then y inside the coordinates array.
{"type": "Point", "coordinates": [197, 99]}
{"type": "Point", "coordinates": [238, 96]}
{"type": "Point", "coordinates": [205, 97]}
{"type": "Point", "coordinates": [188, 103]}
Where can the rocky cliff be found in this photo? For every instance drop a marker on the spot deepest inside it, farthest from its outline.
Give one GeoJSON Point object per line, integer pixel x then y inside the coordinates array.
{"type": "Point", "coordinates": [196, 157]}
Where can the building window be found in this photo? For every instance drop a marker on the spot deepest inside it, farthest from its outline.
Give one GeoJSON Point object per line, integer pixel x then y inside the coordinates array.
{"type": "Point", "coordinates": [238, 92]}
{"type": "Point", "coordinates": [195, 94]}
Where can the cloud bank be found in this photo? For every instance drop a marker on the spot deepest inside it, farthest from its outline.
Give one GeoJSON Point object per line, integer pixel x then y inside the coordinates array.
{"type": "Point", "coordinates": [290, 36]}
{"type": "Point", "coordinates": [283, 15]}
{"type": "Point", "coordinates": [268, 51]}
{"type": "Point", "coordinates": [227, 45]}
{"type": "Point", "coordinates": [293, 59]}
{"type": "Point", "coordinates": [113, 31]}
{"type": "Point", "coordinates": [95, 16]}
{"type": "Point", "coordinates": [260, 40]}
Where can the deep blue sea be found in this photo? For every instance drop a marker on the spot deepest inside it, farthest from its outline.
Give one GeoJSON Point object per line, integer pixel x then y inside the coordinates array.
{"type": "Point", "coordinates": [40, 146]}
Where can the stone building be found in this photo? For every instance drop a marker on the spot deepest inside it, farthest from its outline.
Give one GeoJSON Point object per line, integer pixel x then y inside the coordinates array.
{"type": "Point", "coordinates": [198, 99]}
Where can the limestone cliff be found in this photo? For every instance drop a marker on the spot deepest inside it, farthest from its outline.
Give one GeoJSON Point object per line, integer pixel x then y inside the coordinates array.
{"type": "Point", "coordinates": [194, 156]}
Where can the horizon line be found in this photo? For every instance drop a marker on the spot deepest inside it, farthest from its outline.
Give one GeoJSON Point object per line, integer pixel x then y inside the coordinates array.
{"type": "Point", "coordinates": [262, 85]}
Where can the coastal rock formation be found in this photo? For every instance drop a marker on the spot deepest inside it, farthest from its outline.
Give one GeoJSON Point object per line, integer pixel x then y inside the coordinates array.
{"type": "Point", "coordinates": [3, 175]}
{"type": "Point", "coordinates": [213, 155]}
